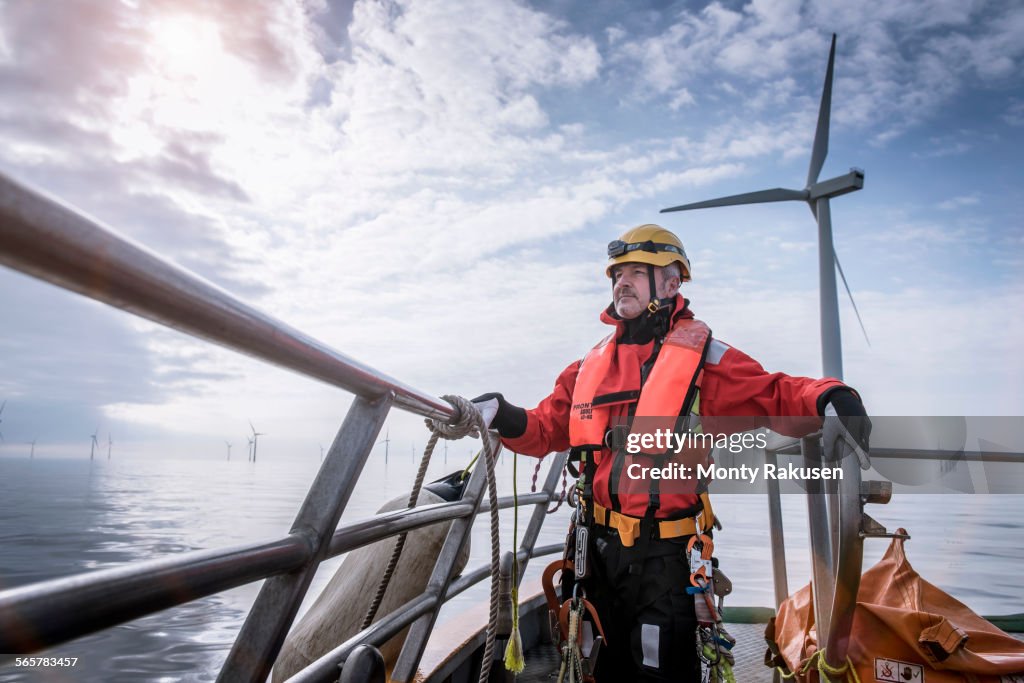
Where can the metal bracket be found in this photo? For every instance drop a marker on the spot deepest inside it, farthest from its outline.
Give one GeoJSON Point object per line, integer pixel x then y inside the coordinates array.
{"type": "Point", "coordinates": [871, 528]}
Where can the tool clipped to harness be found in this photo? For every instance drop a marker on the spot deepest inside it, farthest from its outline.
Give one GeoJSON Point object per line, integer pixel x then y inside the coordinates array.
{"type": "Point", "coordinates": [582, 542]}
{"type": "Point", "coordinates": [699, 550]}
{"type": "Point", "coordinates": [582, 645]}
{"type": "Point", "coordinates": [575, 626]}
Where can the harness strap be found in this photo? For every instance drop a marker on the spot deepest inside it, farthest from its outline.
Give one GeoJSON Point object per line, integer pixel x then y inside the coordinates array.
{"type": "Point", "coordinates": [629, 528]}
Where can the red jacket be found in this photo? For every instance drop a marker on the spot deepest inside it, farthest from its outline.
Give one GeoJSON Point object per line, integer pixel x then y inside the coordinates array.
{"type": "Point", "coordinates": [734, 385]}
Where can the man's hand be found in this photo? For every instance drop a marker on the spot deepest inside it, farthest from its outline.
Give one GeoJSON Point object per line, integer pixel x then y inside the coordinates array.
{"type": "Point", "coordinates": [845, 415]}
{"type": "Point", "coordinates": [488, 405]}
{"type": "Point", "coordinates": [499, 414]}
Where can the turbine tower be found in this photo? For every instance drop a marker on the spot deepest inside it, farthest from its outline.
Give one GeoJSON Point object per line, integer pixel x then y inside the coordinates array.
{"type": "Point", "coordinates": [229, 449]}
{"type": "Point", "coordinates": [2, 406]}
{"type": "Point", "coordinates": [250, 448]}
{"type": "Point", "coordinates": [817, 195]}
{"type": "Point", "coordinates": [255, 438]}
{"type": "Point", "coordinates": [33, 453]}
{"type": "Point", "coordinates": [110, 444]}
{"type": "Point", "coordinates": [92, 449]}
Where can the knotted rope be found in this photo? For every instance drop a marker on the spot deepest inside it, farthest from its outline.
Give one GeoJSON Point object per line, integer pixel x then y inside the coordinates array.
{"type": "Point", "coordinates": [826, 674]}
{"type": "Point", "coordinates": [468, 421]}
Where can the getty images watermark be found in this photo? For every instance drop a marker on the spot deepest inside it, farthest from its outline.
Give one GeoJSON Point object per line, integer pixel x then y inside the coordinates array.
{"type": "Point", "coordinates": [667, 441]}
{"type": "Point", "coordinates": [740, 455]}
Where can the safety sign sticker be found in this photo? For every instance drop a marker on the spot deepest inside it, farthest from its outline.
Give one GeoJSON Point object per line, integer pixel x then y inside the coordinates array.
{"type": "Point", "coordinates": [894, 671]}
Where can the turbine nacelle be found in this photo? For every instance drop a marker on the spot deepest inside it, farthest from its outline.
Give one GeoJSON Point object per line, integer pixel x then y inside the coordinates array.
{"type": "Point", "coordinates": [834, 187]}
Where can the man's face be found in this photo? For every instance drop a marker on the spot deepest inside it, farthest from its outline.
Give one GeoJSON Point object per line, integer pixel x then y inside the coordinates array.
{"type": "Point", "coordinates": [631, 289]}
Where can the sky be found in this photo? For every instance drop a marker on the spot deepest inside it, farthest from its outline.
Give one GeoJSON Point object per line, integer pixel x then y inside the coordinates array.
{"type": "Point", "coordinates": [429, 187]}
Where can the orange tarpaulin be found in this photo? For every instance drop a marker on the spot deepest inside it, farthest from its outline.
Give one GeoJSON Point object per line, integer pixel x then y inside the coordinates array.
{"type": "Point", "coordinates": [905, 630]}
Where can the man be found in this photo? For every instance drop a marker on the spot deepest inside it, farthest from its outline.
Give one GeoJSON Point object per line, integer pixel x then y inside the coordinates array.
{"type": "Point", "coordinates": [658, 361]}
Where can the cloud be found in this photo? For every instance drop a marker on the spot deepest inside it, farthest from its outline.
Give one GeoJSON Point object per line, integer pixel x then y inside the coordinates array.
{"type": "Point", "coordinates": [896, 65]}
{"type": "Point", "coordinates": [959, 202]}
{"type": "Point", "coordinates": [1015, 113]}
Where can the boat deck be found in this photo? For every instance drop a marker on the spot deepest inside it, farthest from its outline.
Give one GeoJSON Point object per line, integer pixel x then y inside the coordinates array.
{"type": "Point", "coordinates": [542, 661]}
{"type": "Point", "coordinates": [442, 662]}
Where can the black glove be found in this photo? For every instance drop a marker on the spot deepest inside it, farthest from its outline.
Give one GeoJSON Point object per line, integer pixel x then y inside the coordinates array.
{"type": "Point", "coordinates": [508, 419]}
{"type": "Point", "coordinates": [849, 418]}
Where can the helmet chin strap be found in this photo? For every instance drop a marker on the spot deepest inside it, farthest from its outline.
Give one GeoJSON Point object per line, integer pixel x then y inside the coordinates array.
{"type": "Point", "coordinates": [655, 304]}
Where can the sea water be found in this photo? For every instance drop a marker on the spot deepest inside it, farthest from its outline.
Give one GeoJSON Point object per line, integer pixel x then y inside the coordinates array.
{"type": "Point", "coordinates": [61, 517]}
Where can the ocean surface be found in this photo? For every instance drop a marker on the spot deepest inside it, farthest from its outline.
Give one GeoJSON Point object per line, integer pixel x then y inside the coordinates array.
{"type": "Point", "coordinates": [61, 517]}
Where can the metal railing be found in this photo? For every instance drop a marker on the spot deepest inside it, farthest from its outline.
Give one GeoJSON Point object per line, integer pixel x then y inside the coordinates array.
{"type": "Point", "coordinates": [43, 238]}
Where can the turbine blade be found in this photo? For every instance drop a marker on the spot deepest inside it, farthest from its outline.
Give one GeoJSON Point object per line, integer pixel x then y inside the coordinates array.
{"type": "Point", "coordinates": [777, 194]}
{"type": "Point", "coordinates": [820, 149]}
{"type": "Point", "coordinates": [850, 294]}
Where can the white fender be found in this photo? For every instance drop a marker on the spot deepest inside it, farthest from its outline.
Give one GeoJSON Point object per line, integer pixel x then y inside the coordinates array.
{"type": "Point", "coordinates": [338, 612]}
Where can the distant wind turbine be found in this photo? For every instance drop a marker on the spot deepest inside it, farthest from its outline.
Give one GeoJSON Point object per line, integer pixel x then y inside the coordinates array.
{"type": "Point", "coordinates": [2, 406]}
{"type": "Point", "coordinates": [92, 449]}
{"type": "Point", "coordinates": [229, 449]}
{"type": "Point", "coordinates": [387, 443]}
{"type": "Point", "coordinates": [817, 195]}
{"type": "Point", "coordinates": [33, 453]}
{"type": "Point", "coordinates": [255, 439]}
{"type": "Point", "coordinates": [250, 447]}
{"type": "Point", "coordinates": [321, 452]}
{"type": "Point", "coordinates": [110, 444]}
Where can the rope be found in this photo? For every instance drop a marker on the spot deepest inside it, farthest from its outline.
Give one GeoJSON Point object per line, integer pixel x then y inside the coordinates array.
{"type": "Point", "coordinates": [468, 421]}
{"type": "Point", "coordinates": [396, 552]}
{"type": "Point", "coordinates": [844, 673]}
{"type": "Point", "coordinates": [514, 660]}
{"type": "Point", "coordinates": [565, 485]}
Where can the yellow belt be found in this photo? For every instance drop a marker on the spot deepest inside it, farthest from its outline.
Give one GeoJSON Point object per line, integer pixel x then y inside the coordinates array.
{"type": "Point", "coordinates": [629, 527]}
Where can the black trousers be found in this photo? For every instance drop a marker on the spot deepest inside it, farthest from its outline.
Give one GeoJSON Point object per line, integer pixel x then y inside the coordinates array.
{"type": "Point", "coordinates": [648, 618]}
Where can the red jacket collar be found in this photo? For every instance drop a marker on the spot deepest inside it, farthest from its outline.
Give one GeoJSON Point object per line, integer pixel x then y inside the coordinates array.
{"type": "Point", "coordinates": [610, 317]}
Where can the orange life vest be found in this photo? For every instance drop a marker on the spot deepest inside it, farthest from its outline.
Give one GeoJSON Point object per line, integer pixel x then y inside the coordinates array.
{"type": "Point", "coordinates": [670, 389]}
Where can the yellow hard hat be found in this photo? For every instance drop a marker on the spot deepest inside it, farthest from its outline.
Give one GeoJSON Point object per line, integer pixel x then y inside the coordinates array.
{"type": "Point", "coordinates": [651, 244]}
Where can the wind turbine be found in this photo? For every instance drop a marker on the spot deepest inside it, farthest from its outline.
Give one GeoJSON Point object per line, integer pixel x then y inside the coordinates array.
{"type": "Point", "coordinates": [2, 406]}
{"type": "Point", "coordinates": [33, 453]}
{"type": "Point", "coordinates": [387, 443]}
{"type": "Point", "coordinates": [110, 444]}
{"type": "Point", "coordinates": [321, 452]}
{"type": "Point", "coordinates": [229, 449]}
{"type": "Point", "coordinates": [255, 438]}
{"type": "Point", "coordinates": [817, 195]}
{"type": "Point", "coordinates": [250, 447]}
{"type": "Point", "coordinates": [92, 449]}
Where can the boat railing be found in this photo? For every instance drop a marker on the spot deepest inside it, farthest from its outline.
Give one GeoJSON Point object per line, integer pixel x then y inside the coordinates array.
{"type": "Point", "coordinates": [42, 237]}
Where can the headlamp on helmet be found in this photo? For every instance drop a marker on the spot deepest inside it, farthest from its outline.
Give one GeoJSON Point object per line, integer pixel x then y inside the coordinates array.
{"type": "Point", "coordinates": [650, 244]}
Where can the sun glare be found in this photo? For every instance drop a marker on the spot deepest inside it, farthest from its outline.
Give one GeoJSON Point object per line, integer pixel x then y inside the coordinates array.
{"type": "Point", "coordinates": [193, 91]}
{"type": "Point", "coordinates": [189, 82]}
{"type": "Point", "coordinates": [182, 45]}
